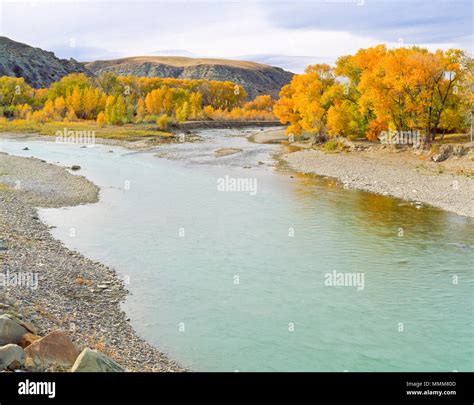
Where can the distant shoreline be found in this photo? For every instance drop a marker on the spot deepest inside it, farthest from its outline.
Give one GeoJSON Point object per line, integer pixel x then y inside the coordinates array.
{"type": "Point", "coordinates": [199, 125]}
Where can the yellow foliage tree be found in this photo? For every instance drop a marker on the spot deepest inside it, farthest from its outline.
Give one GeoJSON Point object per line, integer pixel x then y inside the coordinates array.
{"type": "Point", "coordinates": [141, 110]}
{"type": "Point", "coordinates": [100, 119]}
{"type": "Point", "coordinates": [302, 103]}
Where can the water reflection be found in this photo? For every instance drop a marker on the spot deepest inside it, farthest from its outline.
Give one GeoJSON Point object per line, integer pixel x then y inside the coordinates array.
{"type": "Point", "coordinates": [386, 216]}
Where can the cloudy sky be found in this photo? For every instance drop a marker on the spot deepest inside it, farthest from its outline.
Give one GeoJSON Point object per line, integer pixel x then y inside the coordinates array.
{"type": "Point", "coordinates": [286, 33]}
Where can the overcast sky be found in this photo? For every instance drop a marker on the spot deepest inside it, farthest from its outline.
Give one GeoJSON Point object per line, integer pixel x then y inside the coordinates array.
{"type": "Point", "coordinates": [290, 34]}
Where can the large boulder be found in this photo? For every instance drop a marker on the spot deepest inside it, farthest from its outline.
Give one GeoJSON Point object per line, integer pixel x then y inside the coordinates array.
{"type": "Point", "coordinates": [10, 330]}
{"type": "Point", "coordinates": [30, 328]}
{"type": "Point", "coordinates": [11, 357]}
{"type": "Point", "coordinates": [55, 349]}
{"type": "Point", "coordinates": [94, 361]}
{"type": "Point", "coordinates": [27, 339]}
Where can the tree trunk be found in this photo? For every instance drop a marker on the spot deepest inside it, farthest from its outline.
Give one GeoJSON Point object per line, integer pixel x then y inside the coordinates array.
{"type": "Point", "coordinates": [427, 138]}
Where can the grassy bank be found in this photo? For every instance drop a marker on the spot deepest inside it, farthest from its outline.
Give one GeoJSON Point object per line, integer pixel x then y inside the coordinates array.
{"type": "Point", "coordinates": [128, 132]}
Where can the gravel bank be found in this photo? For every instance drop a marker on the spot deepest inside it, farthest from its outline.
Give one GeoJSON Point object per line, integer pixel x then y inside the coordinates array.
{"type": "Point", "coordinates": [397, 173]}
{"type": "Point", "coordinates": [74, 293]}
{"type": "Point", "coordinates": [269, 136]}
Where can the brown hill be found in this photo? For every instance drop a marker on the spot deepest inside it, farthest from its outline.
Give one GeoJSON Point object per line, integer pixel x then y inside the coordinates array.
{"type": "Point", "coordinates": [256, 78]}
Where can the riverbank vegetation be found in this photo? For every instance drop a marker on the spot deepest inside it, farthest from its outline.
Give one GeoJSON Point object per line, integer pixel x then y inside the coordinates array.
{"type": "Point", "coordinates": [53, 128]}
{"type": "Point", "coordinates": [379, 89]}
{"type": "Point", "coordinates": [111, 101]}
{"type": "Point", "coordinates": [375, 90]}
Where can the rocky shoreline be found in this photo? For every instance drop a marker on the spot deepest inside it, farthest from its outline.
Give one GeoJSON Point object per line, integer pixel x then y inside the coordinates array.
{"type": "Point", "coordinates": [73, 294]}
{"type": "Point", "coordinates": [396, 172]}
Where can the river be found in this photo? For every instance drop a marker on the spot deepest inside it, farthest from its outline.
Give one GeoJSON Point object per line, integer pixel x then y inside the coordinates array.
{"type": "Point", "coordinates": [227, 260]}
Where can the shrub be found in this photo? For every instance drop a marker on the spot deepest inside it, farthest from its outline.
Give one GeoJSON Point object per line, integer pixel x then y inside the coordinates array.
{"type": "Point", "coordinates": [162, 122]}
{"type": "Point", "coordinates": [331, 145]}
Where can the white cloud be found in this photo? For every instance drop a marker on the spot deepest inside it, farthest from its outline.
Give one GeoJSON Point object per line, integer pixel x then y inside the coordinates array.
{"type": "Point", "coordinates": [207, 29]}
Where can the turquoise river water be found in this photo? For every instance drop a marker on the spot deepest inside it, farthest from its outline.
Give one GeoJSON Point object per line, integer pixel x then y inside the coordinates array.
{"type": "Point", "coordinates": [225, 280]}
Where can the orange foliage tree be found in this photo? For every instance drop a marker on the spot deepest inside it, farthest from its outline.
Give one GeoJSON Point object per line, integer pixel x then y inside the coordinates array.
{"type": "Point", "coordinates": [376, 89]}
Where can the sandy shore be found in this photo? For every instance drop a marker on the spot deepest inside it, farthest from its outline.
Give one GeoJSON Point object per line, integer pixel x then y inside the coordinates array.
{"type": "Point", "coordinates": [74, 293]}
{"type": "Point", "coordinates": [397, 173]}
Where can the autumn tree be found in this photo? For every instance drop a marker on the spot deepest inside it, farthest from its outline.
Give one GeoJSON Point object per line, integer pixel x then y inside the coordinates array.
{"type": "Point", "coordinates": [13, 91]}
{"type": "Point", "coordinates": [100, 119]}
{"type": "Point", "coordinates": [410, 88]}
{"type": "Point", "coordinates": [376, 89]}
{"type": "Point", "coordinates": [141, 110]}
{"type": "Point", "coordinates": [260, 103]}
{"type": "Point", "coordinates": [67, 84]}
{"type": "Point", "coordinates": [305, 101]}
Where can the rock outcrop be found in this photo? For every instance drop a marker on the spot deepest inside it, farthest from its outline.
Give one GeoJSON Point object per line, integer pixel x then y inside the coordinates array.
{"type": "Point", "coordinates": [39, 68]}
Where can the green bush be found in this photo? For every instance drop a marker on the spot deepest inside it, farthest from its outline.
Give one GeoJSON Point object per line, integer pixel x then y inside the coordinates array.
{"type": "Point", "coordinates": [331, 145]}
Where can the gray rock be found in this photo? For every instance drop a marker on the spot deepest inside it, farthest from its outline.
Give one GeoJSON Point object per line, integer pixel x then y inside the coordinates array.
{"type": "Point", "coordinates": [445, 151]}
{"type": "Point", "coordinates": [440, 157]}
{"type": "Point", "coordinates": [39, 68]}
{"type": "Point", "coordinates": [10, 331]}
{"type": "Point", "coordinates": [11, 357]}
{"type": "Point", "coordinates": [3, 244]}
{"type": "Point", "coordinates": [75, 167]}
{"type": "Point", "coordinates": [94, 361]}
{"type": "Point", "coordinates": [30, 328]}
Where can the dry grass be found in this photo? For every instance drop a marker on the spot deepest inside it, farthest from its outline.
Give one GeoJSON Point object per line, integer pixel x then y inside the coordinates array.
{"type": "Point", "coordinates": [126, 132]}
{"type": "Point", "coordinates": [176, 61]}
{"type": "Point", "coordinates": [453, 138]}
